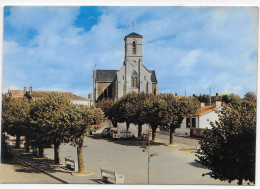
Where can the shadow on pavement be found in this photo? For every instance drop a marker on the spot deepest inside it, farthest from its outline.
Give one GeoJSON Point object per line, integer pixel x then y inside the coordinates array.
{"type": "Point", "coordinates": [196, 164]}
{"type": "Point", "coordinates": [19, 167]}
{"type": "Point", "coordinates": [126, 142]}
{"type": "Point", "coordinates": [42, 164]}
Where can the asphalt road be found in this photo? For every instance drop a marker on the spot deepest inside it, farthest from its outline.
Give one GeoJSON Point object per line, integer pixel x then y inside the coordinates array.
{"type": "Point", "coordinates": [172, 165]}
{"type": "Point", "coordinates": [161, 136]}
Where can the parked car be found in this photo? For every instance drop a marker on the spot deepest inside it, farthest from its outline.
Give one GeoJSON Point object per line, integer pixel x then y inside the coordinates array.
{"type": "Point", "coordinates": [122, 134]}
{"type": "Point", "coordinates": [108, 131]}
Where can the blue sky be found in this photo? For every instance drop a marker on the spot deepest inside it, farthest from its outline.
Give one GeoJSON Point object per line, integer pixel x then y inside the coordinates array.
{"type": "Point", "coordinates": [191, 48]}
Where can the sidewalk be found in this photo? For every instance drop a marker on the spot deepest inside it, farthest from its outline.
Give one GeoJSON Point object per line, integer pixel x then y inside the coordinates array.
{"type": "Point", "coordinates": [12, 171]}
{"type": "Point", "coordinates": [175, 134]}
{"type": "Point", "coordinates": [56, 174]}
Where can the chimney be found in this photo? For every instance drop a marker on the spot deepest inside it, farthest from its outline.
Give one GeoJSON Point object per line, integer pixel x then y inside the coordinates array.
{"type": "Point", "coordinates": [25, 89]}
{"type": "Point", "coordinates": [30, 90]}
{"type": "Point", "coordinates": [176, 94]}
{"type": "Point", "coordinates": [202, 104]}
{"type": "Point", "coordinates": [90, 96]}
{"type": "Point", "coordinates": [218, 101]}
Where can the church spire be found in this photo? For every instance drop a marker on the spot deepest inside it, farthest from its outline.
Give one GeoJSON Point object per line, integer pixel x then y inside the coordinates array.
{"type": "Point", "coordinates": [133, 26]}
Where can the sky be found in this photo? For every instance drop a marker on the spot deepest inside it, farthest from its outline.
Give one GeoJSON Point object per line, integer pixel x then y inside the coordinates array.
{"type": "Point", "coordinates": [190, 48]}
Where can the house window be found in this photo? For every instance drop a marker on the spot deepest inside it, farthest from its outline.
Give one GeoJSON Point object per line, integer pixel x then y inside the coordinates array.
{"type": "Point", "coordinates": [187, 122]}
{"type": "Point", "coordinates": [193, 122]}
{"type": "Point", "coordinates": [144, 77]}
{"type": "Point", "coordinates": [134, 48]}
{"type": "Point", "coordinates": [123, 77]}
{"type": "Point", "coordinates": [134, 79]}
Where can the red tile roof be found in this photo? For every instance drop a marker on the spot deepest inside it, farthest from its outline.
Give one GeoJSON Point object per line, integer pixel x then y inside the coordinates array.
{"type": "Point", "coordinates": [205, 110]}
{"type": "Point", "coordinates": [70, 95]}
{"type": "Point", "coordinates": [17, 92]}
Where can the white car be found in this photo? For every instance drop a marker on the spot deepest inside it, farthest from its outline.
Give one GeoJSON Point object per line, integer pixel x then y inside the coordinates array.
{"type": "Point", "coordinates": [108, 131]}
{"type": "Point", "coordinates": [122, 134]}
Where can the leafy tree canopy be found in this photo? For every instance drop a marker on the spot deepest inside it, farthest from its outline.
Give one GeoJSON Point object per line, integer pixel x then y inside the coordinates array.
{"type": "Point", "coordinates": [229, 149]}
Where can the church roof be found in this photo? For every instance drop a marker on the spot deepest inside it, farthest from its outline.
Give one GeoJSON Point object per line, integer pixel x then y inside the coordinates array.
{"type": "Point", "coordinates": [133, 34]}
{"type": "Point", "coordinates": [109, 75]}
{"type": "Point", "coordinates": [106, 75]}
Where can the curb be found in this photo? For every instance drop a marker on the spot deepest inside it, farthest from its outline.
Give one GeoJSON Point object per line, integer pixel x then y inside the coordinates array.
{"type": "Point", "coordinates": [50, 175]}
{"type": "Point", "coordinates": [180, 136]}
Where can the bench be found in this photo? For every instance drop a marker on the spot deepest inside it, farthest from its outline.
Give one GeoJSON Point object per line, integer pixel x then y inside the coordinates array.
{"type": "Point", "coordinates": [105, 175]}
{"type": "Point", "coordinates": [69, 163]}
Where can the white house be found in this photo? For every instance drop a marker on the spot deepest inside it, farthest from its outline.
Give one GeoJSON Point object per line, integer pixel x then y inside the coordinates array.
{"type": "Point", "coordinates": [202, 119]}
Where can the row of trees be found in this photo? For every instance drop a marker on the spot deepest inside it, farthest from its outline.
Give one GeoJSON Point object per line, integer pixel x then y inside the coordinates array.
{"type": "Point", "coordinates": [155, 110]}
{"type": "Point", "coordinates": [51, 120]}
{"type": "Point", "coordinates": [228, 98]}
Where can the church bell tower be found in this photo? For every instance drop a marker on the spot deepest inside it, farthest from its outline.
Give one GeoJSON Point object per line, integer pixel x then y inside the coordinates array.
{"type": "Point", "coordinates": [133, 61]}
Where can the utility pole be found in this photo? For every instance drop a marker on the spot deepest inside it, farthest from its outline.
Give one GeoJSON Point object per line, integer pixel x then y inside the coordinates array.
{"type": "Point", "coordinates": [146, 147]}
{"type": "Point", "coordinates": [209, 95]}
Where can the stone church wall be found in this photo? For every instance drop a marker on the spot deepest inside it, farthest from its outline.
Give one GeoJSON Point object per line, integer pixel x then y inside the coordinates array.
{"type": "Point", "coordinates": [101, 87]}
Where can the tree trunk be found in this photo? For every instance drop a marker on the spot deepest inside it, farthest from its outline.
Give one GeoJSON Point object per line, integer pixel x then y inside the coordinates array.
{"type": "Point", "coordinates": [41, 150]}
{"type": "Point", "coordinates": [57, 152]}
{"type": "Point", "coordinates": [27, 144]}
{"type": "Point", "coordinates": [114, 123]}
{"type": "Point", "coordinates": [154, 132]}
{"type": "Point", "coordinates": [17, 143]}
{"type": "Point", "coordinates": [139, 130]}
{"type": "Point", "coordinates": [127, 125]}
{"type": "Point", "coordinates": [171, 134]}
{"type": "Point", "coordinates": [80, 158]}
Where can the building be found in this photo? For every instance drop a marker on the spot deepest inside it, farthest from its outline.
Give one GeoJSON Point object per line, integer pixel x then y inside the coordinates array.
{"type": "Point", "coordinates": [132, 77]}
{"type": "Point", "coordinates": [35, 95]}
{"type": "Point", "coordinates": [201, 120]}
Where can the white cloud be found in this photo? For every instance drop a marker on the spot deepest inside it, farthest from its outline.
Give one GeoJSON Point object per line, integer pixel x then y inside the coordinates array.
{"type": "Point", "coordinates": [189, 48]}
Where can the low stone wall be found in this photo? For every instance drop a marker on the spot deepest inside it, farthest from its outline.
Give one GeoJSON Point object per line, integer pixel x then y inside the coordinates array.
{"type": "Point", "coordinates": [197, 132]}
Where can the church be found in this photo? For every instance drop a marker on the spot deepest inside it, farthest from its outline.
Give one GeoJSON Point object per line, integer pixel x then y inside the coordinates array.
{"type": "Point", "coordinates": [132, 77]}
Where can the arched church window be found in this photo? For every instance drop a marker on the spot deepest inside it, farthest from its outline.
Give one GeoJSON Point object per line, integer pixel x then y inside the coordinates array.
{"type": "Point", "coordinates": [134, 47]}
{"type": "Point", "coordinates": [134, 79]}
{"type": "Point", "coordinates": [105, 94]}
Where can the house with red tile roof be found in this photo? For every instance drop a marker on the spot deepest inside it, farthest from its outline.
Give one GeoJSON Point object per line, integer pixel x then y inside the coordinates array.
{"type": "Point", "coordinates": [201, 119]}
{"type": "Point", "coordinates": [35, 95]}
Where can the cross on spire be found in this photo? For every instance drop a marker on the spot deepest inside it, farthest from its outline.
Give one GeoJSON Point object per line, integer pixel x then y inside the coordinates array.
{"type": "Point", "coordinates": [133, 26]}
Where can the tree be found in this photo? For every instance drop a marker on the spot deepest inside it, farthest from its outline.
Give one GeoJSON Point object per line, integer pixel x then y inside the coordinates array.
{"type": "Point", "coordinates": [229, 149]}
{"type": "Point", "coordinates": [176, 110]}
{"type": "Point", "coordinates": [155, 108]}
{"type": "Point", "coordinates": [250, 96]}
{"type": "Point", "coordinates": [108, 106]}
{"type": "Point", "coordinates": [48, 118]}
{"type": "Point", "coordinates": [232, 98]}
{"type": "Point", "coordinates": [124, 109]}
{"type": "Point", "coordinates": [15, 118]}
{"type": "Point", "coordinates": [4, 124]}
{"type": "Point", "coordinates": [80, 120]}
{"type": "Point", "coordinates": [139, 116]}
